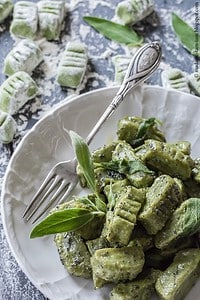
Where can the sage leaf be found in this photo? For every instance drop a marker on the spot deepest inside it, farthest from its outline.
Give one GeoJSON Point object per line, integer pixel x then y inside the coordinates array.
{"type": "Point", "coordinates": [101, 205]}
{"type": "Point", "coordinates": [85, 161]}
{"type": "Point", "coordinates": [119, 33]}
{"type": "Point", "coordinates": [84, 158]}
{"type": "Point", "coordinates": [62, 221]}
{"type": "Point", "coordinates": [188, 36]}
{"type": "Point", "coordinates": [98, 206]}
{"type": "Point", "coordinates": [145, 126]}
{"type": "Point", "coordinates": [143, 130]}
{"type": "Point", "coordinates": [126, 166]}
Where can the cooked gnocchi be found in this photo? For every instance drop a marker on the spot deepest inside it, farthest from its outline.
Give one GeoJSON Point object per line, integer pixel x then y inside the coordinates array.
{"type": "Point", "coordinates": [149, 232]}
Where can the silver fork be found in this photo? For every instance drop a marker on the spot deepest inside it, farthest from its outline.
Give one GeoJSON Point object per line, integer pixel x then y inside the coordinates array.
{"type": "Point", "coordinates": [62, 178]}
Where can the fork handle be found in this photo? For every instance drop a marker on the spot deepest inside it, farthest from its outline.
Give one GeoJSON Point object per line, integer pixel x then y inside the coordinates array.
{"type": "Point", "coordinates": [142, 65]}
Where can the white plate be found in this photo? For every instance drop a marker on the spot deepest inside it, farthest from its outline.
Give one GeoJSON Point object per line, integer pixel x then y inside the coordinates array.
{"type": "Point", "coordinates": [48, 142]}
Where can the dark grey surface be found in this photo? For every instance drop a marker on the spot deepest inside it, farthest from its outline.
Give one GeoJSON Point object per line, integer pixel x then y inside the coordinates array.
{"type": "Point", "coordinates": [14, 285]}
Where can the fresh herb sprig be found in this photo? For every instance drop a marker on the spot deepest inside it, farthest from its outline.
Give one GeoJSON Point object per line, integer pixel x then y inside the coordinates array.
{"type": "Point", "coordinates": [62, 221]}
{"type": "Point", "coordinates": [145, 126]}
{"type": "Point", "coordinates": [86, 164]}
{"type": "Point", "coordinates": [71, 219]}
{"type": "Point", "coordinates": [126, 166]}
{"type": "Point", "coordinates": [119, 33]}
{"type": "Point", "coordinates": [84, 158]}
{"type": "Point", "coordinates": [143, 130]}
{"type": "Point", "coordinates": [188, 36]}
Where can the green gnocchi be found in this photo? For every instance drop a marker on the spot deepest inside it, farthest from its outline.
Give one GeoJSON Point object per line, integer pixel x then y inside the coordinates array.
{"type": "Point", "coordinates": [50, 18]}
{"type": "Point", "coordinates": [133, 11]}
{"type": "Point", "coordinates": [25, 56]}
{"type": "Point", "coordinates": [73, 64]}
{"type": "Point", "coordinates": [6, 7]}
{"type": "Point", "coordinates": [15, 91]}
{"type": "Point", "coordinates": [25, 20]}
{"type": "Point", "coordinates": [194, 83]}
{"type": "Point", "coordinates": [8, 127]}
{"type": "Point", "coordinates": [149, 230]}
{"type": "Point", "coordinates": [175, 78]}
{"type": "Point", "coordinates": [121, 63]}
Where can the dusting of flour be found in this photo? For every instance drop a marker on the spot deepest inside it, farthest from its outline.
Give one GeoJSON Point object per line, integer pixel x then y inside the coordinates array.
{"type": "Point", "coordinates": [100, 73]}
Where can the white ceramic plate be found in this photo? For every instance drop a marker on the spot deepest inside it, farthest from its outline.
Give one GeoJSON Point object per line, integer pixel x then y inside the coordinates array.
{"type": "Point", "coordinates": [48, 142]}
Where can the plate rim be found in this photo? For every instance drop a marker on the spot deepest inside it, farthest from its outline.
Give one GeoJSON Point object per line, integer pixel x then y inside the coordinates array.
{"type": "Point", "coordinates": [48, 114]}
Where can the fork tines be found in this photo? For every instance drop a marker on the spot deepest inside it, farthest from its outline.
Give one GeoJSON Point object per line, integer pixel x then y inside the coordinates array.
{"type": "Point", "coordinates": [54, 189]}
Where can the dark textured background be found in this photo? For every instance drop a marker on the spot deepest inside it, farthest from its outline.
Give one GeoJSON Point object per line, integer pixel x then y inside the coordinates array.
{"type": "Point", "coordinates": [14, 285]}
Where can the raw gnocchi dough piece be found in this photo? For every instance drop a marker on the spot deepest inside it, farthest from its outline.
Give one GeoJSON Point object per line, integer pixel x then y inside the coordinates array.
{"type": "Point", "coordinates": [6, 7]}
{"type": "Point", "coordinates": [121, 63]}
{"type": "Point", "coordinates": [133, 11]}
{"type": "Point", "coordinates": [25, 19]}
{"type": "Point", "coordinates": [194, 83]}
{"type": "Point", "coordinates": [8, 127]}
{"type": "Point", "coordinates": [16, 91]}
{"type": "Point", "coordinates": [72, 66]}
{"type": "Point", "coordinates": [175, 79]}
{"type": "Point", "coordinates": [51, 15]}
{"type": "Point", "coordinates": [25, 56]}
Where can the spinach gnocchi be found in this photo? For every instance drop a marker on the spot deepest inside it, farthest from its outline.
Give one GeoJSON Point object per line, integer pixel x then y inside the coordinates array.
{"type": "Point", "coordinates": [175, 78]}
{"type": "Point", "coordinates": [50, 18]}
{"type": "Point", "coordinates": [8, 127]}
{"type": "Point", "coordinates": [25, 56]}
{"type": "Point", "coordinates": [72, 66]}
{"type": "Point", "coordinates": [25, 20]}
{"type": "Point", "coordinates": [133, 11]}
{"type": "Point", "coordinates": [31, 20]}
{"type": "Point", "coordinates": [149, 229]}
{"type": "Point", "coordinates": [194, 83]}
{"type": "Point", "coordinates": [176, 281]}
{"type": "Point", "coordinates": [6, 7]}
{"type": "Point", "coordinates": [15, 91]}
{"type": "Point", "coordinates": [121, 63]}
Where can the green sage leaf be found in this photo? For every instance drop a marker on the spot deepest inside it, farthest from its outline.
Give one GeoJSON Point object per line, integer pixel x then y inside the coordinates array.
{"type": "Point", "coordinates": [114, 31]}
{"type": "Point", "coordinates": [188, 36]}
{"type": "Point", "coordinates": [101, 205]}
{"type": "Point", "coordinates": [126, 166]}
{"type": "Point", "coordinates": [84, 158]}
{"type": "Point", "coordinates": [62, 221]}
{"type": "Point", "coordinates": [143, 130]}
{"type": "Point", "coordinates": [85, 161]}
{"type": "Point", "coordinates": [98, 206]}
{"type": "Point", "coordinates": [145, 126]}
